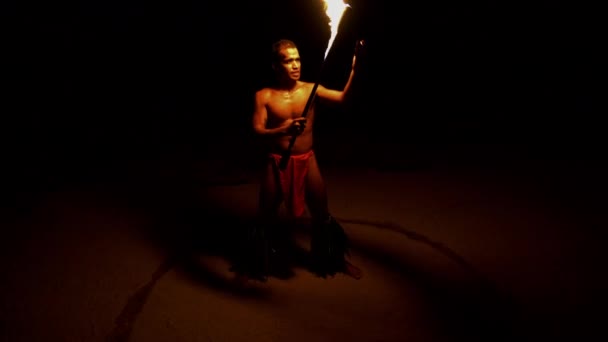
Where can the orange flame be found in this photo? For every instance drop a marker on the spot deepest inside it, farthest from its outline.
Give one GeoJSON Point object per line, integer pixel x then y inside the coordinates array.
{"type": "Point", "coordinates": [334, 9]}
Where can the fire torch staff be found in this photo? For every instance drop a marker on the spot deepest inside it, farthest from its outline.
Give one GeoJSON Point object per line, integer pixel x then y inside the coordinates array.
{"type": "Point", "coordinates": [335, 11]}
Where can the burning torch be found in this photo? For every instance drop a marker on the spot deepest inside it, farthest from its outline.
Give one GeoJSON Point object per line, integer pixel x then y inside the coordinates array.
{"type": "Point", "coordinates": [334, 10]}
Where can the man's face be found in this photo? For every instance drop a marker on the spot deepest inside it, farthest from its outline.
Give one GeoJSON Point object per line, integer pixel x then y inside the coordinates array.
{"type": "Point", "coordinates": [289, 65]}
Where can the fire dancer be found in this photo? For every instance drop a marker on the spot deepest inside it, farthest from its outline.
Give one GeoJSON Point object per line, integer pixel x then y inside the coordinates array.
{"type": "Point", "coordinates": [279, 117]}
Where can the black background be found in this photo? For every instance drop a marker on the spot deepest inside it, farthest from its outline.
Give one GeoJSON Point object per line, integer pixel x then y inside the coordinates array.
{"type": "Point", "coordinates": [113, 80]}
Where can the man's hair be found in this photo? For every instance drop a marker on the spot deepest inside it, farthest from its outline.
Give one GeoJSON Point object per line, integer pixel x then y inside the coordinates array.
{"type": "Point", "coordinates": [278, 46]}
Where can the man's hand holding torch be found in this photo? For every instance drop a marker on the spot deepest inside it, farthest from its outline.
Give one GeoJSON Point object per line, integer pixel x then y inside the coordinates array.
{"type": "Point", "coordinates": [295, 126]}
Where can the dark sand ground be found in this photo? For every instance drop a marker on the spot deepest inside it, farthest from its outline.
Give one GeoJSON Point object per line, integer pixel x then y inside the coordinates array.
{"type": "Point", "coordinates": [452, 249]}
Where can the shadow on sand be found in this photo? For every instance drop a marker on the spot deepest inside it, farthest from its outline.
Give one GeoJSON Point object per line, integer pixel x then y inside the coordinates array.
{"type": "Point", "coordinates": [191, 226]}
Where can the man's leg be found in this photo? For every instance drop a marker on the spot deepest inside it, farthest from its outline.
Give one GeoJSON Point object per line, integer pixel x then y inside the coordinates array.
{"type": "Point", "coordinates": [254, 261]}
{"type": "Point", "coordinates": [329, 243]}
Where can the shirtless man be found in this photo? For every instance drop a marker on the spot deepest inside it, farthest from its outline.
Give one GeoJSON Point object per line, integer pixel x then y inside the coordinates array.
{"type": "Point", "coordinates": [277, 118]}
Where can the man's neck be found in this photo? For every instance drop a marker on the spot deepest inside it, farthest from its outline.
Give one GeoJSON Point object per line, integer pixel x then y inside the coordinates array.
{"type": "Point", "coordinates": [288, 85]}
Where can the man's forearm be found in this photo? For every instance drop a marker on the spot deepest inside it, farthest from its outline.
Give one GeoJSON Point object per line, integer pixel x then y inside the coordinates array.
{"type": "Point", "coordinates": [269, 132]}
{"type": "Point", "coordinates": [349, 82]}
{"type": "Point", "coordinates": [353, 72]}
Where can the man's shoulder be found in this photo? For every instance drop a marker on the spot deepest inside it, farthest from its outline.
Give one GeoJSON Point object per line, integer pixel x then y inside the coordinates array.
{"type": "Point", "coordinates": [263, 92]}
{"type": "Point", "coordinates": [307, 85]}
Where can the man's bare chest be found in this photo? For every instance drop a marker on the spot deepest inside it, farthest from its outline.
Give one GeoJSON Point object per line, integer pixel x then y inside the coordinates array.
{"type": "Point", "coordinates": [283, 106]}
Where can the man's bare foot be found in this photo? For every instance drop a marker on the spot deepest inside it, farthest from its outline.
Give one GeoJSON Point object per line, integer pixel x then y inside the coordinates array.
{"type": "Point", "coordinates": [352, 270]}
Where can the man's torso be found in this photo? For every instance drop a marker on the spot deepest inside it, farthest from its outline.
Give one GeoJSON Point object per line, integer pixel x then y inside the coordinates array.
{"type": "Point", "coordinates": [282, 106]}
